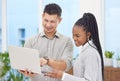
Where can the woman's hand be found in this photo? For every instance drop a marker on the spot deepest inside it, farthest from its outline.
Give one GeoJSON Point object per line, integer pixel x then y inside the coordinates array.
{"type": "Point", "coordinates": [55, 74]}
{"type": "Point", "coordinates": [27, 73]}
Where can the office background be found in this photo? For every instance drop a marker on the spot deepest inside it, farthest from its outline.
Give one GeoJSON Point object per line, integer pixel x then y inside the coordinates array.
{"type": "Point", "coordinates": [23, 21]}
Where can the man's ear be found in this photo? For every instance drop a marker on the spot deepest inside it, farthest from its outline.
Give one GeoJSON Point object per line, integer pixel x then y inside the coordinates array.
{"type": "Point", "coordinates": [42, 15]}
{"type": "Point", "coordinates": [60, 19]}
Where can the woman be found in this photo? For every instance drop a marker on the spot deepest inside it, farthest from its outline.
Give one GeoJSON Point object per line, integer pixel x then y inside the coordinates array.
{"type": "Point", "coordinates": [89, 64]}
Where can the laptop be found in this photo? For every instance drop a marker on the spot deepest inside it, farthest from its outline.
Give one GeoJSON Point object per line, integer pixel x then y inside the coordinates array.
{"type": "Point", "coordinates": [22, 58]}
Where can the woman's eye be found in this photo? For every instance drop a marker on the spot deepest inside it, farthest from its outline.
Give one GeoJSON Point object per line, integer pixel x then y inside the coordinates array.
{"type": "Point", "coordinates": [77, 36]}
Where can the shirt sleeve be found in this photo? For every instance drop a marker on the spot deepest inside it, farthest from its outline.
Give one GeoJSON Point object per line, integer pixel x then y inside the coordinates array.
{"type": "Point", "coordinates": [29, 42]}
{"type": "Point", "coordinates": [68, 54]}
{"type": "Point", "coordinates": [63, 76]}
{"type": "Point", "coordinates": [68, 77]}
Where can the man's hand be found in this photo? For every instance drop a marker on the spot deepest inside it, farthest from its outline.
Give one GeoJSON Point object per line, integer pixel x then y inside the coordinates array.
{"type": "Point", "coordinates": [55, 64]}
{"type": "Point", "coordinates": [43, 61]}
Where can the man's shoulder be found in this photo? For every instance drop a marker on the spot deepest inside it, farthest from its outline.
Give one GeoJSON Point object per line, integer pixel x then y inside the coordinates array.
{"type": "Point", "coordinates": [34, 37]}
{"type": "Point", "coordinates": [64, 36]}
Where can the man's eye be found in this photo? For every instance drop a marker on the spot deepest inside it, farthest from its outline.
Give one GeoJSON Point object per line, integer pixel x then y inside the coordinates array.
{"type": "Point", "coordinates": [45, 20]}
{"type": "Point", "coordinates": [52, 21]}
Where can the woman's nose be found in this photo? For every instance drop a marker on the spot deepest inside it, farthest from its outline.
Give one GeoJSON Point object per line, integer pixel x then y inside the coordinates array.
{"type": "Point", "coordinates": [74, 38]}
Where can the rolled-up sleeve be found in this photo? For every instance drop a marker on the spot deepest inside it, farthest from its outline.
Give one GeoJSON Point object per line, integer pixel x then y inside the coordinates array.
{"type": "Point", "coordinates": [68, 54]}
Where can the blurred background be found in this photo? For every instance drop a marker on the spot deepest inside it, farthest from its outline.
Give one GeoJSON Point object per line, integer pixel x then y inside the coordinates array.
{"type": "Point", "coordinates": [21, 19]}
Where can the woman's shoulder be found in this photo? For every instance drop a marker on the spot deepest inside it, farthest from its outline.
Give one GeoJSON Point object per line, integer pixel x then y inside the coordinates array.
{"type": "Point", "coordinates": [91, 51]}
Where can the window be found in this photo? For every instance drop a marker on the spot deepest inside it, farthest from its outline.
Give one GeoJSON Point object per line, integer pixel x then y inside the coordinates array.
{"type": "Point", "coordinates": [22, 33]}
{"type": "Point", "coordinates": [0, 33]}
{"type": "Point", "coordinates": [112, 26]}
{"type": "Point", "coordinates": [0, 39]}
{"type": "Point", "coordinates": [22, 18]}
{"type": "Point", "coordinates": [21, 36]}
{"type": "Point", "coordinates": [0, 25]}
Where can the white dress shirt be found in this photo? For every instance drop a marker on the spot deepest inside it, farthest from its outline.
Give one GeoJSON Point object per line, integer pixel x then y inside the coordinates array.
{"type": "Point", "coordinates": [87, 66]}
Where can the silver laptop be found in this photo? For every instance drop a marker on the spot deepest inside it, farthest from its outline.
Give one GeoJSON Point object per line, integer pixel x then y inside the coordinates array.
{"type": "Point", "coordinates": [22, 58]}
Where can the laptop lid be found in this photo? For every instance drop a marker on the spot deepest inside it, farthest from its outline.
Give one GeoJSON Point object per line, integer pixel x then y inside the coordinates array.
{"type": "Point", "coordinates": [22, 58]}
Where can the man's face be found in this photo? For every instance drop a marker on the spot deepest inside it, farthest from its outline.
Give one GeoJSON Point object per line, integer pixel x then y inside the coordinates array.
{"type": "Point", "coordinates": [50, 22]}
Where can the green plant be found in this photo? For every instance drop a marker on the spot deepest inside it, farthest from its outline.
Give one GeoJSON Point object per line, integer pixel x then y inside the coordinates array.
{"type": "Point", "coordinates": [6, 72]}
{"type": "Point", "coordinates": [14, 75]}
{"type": "Point", "coordinates": [5, 67]}
{"type": "Point", "coordinates": [109, 54]}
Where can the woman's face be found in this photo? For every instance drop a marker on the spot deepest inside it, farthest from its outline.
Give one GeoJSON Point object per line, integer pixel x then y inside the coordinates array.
{"type": "Point", "coordinates": [79, 35]}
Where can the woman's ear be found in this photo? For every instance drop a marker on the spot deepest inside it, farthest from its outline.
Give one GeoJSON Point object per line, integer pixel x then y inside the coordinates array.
{"type": "Point", "coordinates": [88, 35]}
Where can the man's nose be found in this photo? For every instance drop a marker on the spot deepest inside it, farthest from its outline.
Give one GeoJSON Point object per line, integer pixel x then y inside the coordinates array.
{"type": "Point", "coordinates": [48, 24]}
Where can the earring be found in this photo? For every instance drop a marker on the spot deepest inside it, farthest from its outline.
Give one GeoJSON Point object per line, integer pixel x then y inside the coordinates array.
{"type": "Point", "coordinates": [88, 38]}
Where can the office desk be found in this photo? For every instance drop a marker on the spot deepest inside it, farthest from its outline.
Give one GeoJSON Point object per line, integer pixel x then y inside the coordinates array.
{"type": "Point", "coordinates": [111, 74]}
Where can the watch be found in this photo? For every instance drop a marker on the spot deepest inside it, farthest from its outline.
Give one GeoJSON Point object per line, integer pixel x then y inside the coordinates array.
{"type": "Point", "coordinates": [47, 59]}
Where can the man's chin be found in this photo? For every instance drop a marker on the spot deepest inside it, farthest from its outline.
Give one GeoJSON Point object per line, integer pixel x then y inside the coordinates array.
{"type": "Point", "coordinates": [48, 31]}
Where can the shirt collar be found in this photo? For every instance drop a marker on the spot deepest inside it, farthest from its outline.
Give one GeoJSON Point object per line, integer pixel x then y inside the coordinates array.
{"type": "Point", "coordinates": [57, 35]}
{"type": "Point", "coordinates": [89, 43]}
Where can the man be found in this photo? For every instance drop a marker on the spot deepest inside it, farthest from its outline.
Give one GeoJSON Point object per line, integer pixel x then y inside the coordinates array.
{"type": "Point", "coordinates": [53, 47]}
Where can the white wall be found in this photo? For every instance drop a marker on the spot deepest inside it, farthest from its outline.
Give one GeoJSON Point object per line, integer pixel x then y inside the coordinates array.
{"type": "Point", "coordinates": [97, 8]}
{"type": "Point", "coordinates": [4, 24]}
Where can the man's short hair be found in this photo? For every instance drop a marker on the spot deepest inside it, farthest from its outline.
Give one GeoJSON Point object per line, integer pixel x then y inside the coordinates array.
{"type": "Point", "coordinates": [53, 9]}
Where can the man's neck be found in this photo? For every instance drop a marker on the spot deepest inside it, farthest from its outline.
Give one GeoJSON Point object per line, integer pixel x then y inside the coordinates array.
{"type": "Point", "coordinates": [50, 35]}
